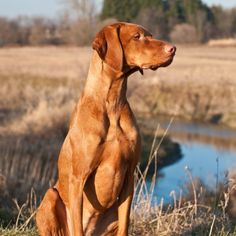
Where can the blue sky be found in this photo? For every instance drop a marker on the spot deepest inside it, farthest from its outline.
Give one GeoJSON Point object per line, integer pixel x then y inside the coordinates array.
{"type": "Point", "coordinates": [52, 8]}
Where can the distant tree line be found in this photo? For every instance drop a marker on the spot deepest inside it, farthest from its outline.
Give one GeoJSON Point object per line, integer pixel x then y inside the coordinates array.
{"type": "Point", "coordinates": [40, 31]}
{"type": "Point", "coordinates": [182, 21]}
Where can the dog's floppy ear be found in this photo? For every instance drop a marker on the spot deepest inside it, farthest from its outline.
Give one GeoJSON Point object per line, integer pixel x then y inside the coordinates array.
{"type": "Point", "coordinates": [108, 46]}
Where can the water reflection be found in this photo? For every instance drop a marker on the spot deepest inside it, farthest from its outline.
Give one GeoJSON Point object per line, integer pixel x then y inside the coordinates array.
{"type": "Point", "coordinates": [208, 151]}
{"type": "Point", "coordinates": [223, 138]}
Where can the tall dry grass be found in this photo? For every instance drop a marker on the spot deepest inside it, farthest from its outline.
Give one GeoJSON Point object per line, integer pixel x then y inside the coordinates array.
{"type": "Point", "coordinates": [39, 87]}
{"type": "Point", "coordinates": [200, 212]}
{"type": "Point", "coordinates": [193, 215]}
{"type": "Point", "coordinates": [30, 141]}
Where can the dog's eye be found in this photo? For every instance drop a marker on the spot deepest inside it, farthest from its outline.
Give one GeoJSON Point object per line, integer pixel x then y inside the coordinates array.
{"type": "Point", "coordinates": [137, 36]}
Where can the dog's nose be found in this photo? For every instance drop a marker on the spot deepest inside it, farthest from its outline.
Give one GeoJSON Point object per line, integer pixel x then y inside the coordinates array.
{"type": "Point", "coordinates": [170, 48]}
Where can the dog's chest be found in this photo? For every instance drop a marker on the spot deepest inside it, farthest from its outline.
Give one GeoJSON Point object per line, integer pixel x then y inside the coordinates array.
{"type": "Point", "coordinates": [124, 140]}
{"type": "Point", "coordinates": [120, 153]}
{"type": "Point", "coordinates": [123, 132]}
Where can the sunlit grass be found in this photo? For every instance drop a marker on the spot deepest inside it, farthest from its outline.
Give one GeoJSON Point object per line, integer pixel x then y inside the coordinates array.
{"type": "Point", "coordinates": [40, 86]}
{"type": "Point", "coordinates": [194, 215]}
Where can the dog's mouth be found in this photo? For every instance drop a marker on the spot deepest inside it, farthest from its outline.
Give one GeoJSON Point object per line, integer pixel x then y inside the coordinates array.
{"type": "Point", "coordinates": [165, 63]}
{"type": "Point", "coordinates": [154, 67]}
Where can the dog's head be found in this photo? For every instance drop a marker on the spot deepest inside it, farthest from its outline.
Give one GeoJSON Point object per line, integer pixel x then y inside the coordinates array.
{"type": "Point", "coordinates": [125, 46]}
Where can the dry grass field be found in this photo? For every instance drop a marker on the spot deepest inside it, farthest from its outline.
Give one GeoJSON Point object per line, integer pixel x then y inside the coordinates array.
{"type": "Point", "coordinates": [195, 64]}
{"type": "Point", "coordinates": [200, 84]}
{"type": "Point", "coordinates": [39, 87]}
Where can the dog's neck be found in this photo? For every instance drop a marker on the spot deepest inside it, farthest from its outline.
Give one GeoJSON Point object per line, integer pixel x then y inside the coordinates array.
{"type": "Point", "coordinates": [105, 85]}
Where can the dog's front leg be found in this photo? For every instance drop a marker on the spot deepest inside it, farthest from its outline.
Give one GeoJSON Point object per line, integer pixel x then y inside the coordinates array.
{"type": "Point", "coordinates": [125, 200]}
{"type": "Point", "coordinates": [76, 204]}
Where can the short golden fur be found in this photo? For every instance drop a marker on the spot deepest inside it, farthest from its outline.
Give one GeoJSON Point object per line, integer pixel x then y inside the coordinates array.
{"type": "Point", "coordinates": [96, 164]}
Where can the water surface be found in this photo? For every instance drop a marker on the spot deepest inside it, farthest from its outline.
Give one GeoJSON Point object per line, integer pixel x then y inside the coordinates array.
{"type": "Point", "coordinates": [209, 153]}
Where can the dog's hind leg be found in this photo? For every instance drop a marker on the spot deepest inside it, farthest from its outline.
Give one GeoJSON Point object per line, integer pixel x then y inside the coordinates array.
{"type": "Point", "coordinates": [51, 215]}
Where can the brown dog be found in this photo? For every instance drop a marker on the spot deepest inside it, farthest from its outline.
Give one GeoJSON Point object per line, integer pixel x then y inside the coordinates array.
{"type": "Point", "coordinates": [97, 161]}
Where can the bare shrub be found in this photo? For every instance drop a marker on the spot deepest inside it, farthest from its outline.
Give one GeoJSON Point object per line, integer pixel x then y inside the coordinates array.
{"type": "Point", "coordinates": [81, 32]}
{"type": "Point", "coordinates": [80, 22]}
{"type": "Point", "coordinates": [184, 33]}
{"type": "Point", "coordinates": [44, 31]}
{"type": "Point", "coordinates": [38, 32]}
{"type": "Point", "coordinates": [8, 29]}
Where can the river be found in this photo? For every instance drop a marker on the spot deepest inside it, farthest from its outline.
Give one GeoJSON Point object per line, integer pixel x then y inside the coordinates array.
{"type": "Point", "coordinates": [208, 154]}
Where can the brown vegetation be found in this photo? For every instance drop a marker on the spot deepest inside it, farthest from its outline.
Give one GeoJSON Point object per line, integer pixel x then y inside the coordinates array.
{"type": "Point", "coordinates": [199, 213]}
{"type": "Point", "coordinates": [184, 33]}
{"type": "Point", "coordinates": [228, 42]}
{"type": "Point", "coordinates": [199, 85]}
{"type": "Point", "coordinates": [39, 87]}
